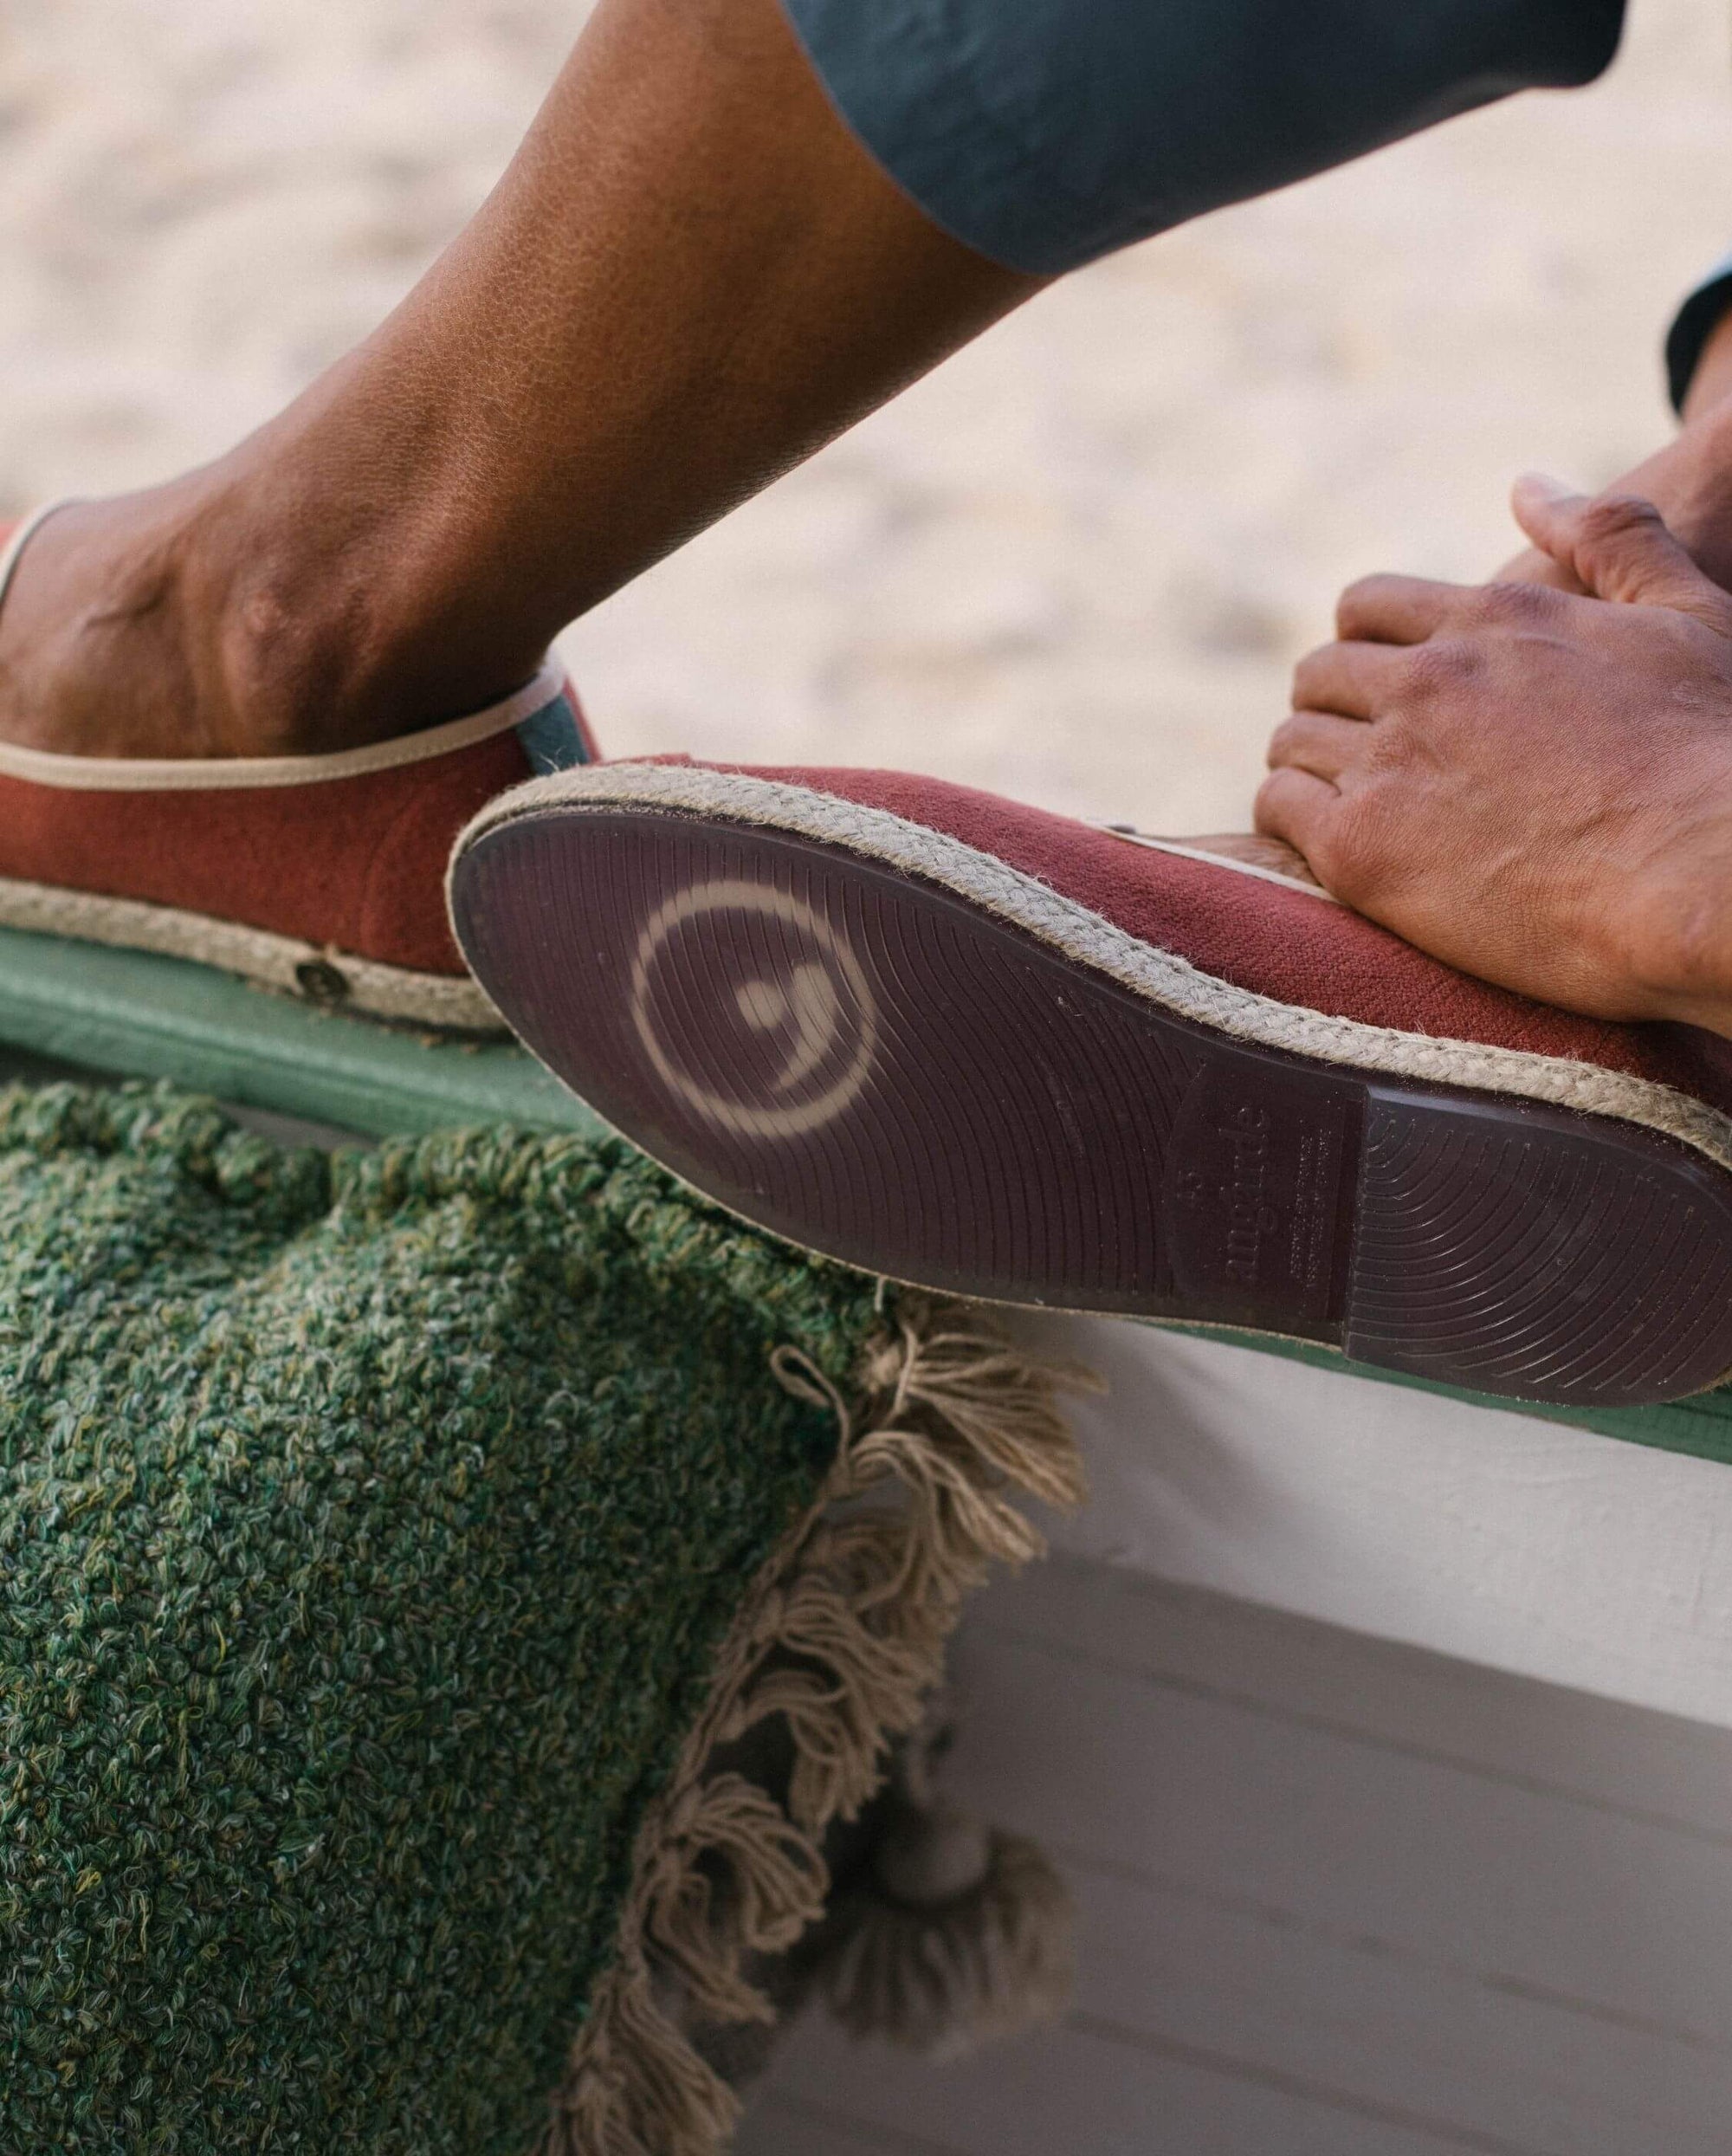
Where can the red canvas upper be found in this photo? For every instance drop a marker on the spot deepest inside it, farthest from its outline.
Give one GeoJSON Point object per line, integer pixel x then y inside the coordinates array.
{"type": "Point", "coordinates": [355, 864]}
{"type": "Point", "coordinates": [1275, 941]}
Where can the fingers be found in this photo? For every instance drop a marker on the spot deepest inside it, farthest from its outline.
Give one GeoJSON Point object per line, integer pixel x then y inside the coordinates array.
{"type": "Point", "coordinates": [1318, 743]}
{"type": "Point", "coordinates": [1618, 547]}
{"type": "Point", "coordinates": [1532, 566]}
{"type": "Point", "coordinates": [1355, 679]}
{"type": "Point", "coordinates": [1299, 809]}
{"type": "Point", "coordinates": [1395, 609]}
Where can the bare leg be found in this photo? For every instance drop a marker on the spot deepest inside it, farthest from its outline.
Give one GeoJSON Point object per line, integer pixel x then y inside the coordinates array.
{"type": "Point", "coordinates": [691, 276]}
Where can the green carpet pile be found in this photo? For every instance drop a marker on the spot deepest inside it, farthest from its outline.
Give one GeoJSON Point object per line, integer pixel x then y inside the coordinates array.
{"type": "Point", "coordinates": [368, 1528]}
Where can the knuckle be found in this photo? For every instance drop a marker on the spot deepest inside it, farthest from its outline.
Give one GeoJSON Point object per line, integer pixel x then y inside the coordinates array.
{"type": "Point", "coordinates": [1266, 803]}
{"type": "Point", "coordinates": [1612, 517]}
{"type": "Point", "coordinates": [1275, 814]}
{"type": "Point", "coordinates": [1512, 606]}
{"type": "Point", "coordinates": [1286, 807]}
{"type": "Point", "coordinates": [1280, 795]}
{"type": "Point", "coordinates": [1363, 597]}
{"type": "Point", "coordinates": [1443, 667]}
{"type": "Point", "coordinates": [1309, 671]}
{"type": "Point", "coordinates": [1282, 742]}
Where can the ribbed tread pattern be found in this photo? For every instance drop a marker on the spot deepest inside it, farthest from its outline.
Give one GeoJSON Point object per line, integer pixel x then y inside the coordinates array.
{"type": "Point", "coordinates": [1515, 1253]}
{"type": "Point", "coordinates": [881, 1072]}
{"type": "Point", "coordinates": [847, 1057]}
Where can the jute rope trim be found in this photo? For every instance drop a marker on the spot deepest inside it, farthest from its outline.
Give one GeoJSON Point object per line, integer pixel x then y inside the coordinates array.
{"type": "Point", "coordinates": [453, 1002]}
{"type": "Point", "coordinates": [1163, 976]}
{"type": "Point", "coordinates": [958, 1424]}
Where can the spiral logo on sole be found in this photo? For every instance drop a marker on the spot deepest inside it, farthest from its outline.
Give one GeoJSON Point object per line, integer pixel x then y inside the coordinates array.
{"type": "Point", "coordinates": [776, 1029]}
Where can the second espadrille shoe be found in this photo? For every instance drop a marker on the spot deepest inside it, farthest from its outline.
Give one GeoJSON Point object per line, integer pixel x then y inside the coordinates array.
{"type": "Point", "coordinates": [966, 1044]}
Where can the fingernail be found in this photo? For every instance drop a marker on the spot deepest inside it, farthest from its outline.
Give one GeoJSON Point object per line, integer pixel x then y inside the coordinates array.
{"type": "Point", "coordinates": [1542, 482]}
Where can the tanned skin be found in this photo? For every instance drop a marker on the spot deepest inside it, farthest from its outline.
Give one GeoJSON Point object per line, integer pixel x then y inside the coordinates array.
{"type": "Point", "coordinates": [1532, 778]}
{"type": "Point", "coordinates": [690, 278]}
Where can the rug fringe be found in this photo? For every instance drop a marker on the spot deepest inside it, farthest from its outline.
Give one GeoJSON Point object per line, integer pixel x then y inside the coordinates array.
{"type": "Point", "coordinates": [842, 1637]}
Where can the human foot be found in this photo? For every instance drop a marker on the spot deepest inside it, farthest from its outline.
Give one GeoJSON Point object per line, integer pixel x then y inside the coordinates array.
{"type": "Point", "coordinates": [319, 874]}
{"type": "Point", "coordinates": [960, 1042]}
{"type": "Point", "coordinates": [217, 617]}
{"type": "Point", "coordinates": [120, 637]}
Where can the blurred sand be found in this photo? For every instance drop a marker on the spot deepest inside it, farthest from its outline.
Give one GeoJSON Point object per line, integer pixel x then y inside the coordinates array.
{"type": "Point", "coordinates": [1077, 564]}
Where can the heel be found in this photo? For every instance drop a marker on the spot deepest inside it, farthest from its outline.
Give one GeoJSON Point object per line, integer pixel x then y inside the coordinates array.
{"type": "Point", "coordinates": [1525, 1251]}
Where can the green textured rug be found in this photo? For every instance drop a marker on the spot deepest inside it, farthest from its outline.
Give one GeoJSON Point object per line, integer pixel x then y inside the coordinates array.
{"type": "Point", "coordinates": [398, 1551]}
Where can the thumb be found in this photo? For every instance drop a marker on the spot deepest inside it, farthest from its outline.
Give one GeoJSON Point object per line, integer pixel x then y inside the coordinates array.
{"type": "Point", "coordinates": [1616, 546]}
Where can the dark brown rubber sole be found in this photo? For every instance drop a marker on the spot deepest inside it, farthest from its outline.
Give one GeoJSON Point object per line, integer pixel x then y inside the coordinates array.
{"type": "Point", "coordinates": [877, 1070]}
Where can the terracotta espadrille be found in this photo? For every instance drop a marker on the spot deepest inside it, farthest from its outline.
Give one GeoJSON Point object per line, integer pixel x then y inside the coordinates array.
{"type": "Point", "coordinates": [995, 1052]}
{"type": "Point", "coordinates": [322, 876]}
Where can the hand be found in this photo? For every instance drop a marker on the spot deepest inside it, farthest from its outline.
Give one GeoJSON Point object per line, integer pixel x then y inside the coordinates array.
{"type": "Point", "coordinates": [1689, 482]}
{"type": "Point", "coordinates": [1535, 786]}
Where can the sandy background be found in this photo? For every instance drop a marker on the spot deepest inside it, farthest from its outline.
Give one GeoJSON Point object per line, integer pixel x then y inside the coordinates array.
{"type": "Point", "coordinates": [1078, 563]}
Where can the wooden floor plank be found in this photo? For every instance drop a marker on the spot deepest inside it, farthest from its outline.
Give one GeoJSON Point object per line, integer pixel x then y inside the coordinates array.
{"type": "Point", "coordinates": [1619, 1918]}
{"type": "Point", "coordinates": [1274, 1997]}
{"type": "Point", "coordinates": [1079, 2091]}
{"type": "Point", "coordinates": [1649, 1765]}
{"type": "Point", "coordinates": [784, 2126]}
{"type": "Point", "coordinates": [1332, 1896]}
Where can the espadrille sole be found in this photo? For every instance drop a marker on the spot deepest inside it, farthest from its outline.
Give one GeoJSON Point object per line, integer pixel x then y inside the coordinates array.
{"type": "Point", "coordinates": [331, 979]}
{"type": "Point", "coordinates": [848, 1036]}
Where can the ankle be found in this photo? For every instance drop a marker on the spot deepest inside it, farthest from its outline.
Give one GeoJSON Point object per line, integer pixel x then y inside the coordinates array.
{"type": "Point", "coordinates": [349, 605]}
{"type": "Point", "coordinates": [294, 651]}
{"type": "Point", "coordinates": [235, 614]}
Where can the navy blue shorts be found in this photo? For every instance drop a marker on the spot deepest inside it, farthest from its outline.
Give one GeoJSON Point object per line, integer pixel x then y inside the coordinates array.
{"type": "Point", "coordinates": [1045, 132]}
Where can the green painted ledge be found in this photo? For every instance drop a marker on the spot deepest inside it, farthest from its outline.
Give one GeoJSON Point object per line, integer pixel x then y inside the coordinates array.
{"type": "Point", "coordinates": [149, 1017]}
{"type": "Point", "coordinates": [166, 1018]}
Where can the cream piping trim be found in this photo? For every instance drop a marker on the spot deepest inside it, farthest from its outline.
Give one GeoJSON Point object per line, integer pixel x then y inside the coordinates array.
{"type": "Point", "coordinates": [1217, 861]}
{"type": "Point", "coordinates": [13, 552]}
{"type": "Point", "coordinates": [169, 775]}
{"type": "Point", "coordinates": [1162, 976]}
{"type": "Point", "coordinates": [455, 1002]}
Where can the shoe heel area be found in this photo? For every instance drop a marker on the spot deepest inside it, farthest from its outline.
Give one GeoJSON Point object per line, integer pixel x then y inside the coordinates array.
{"type": "Point", "coordinates": [1525, 1251]}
